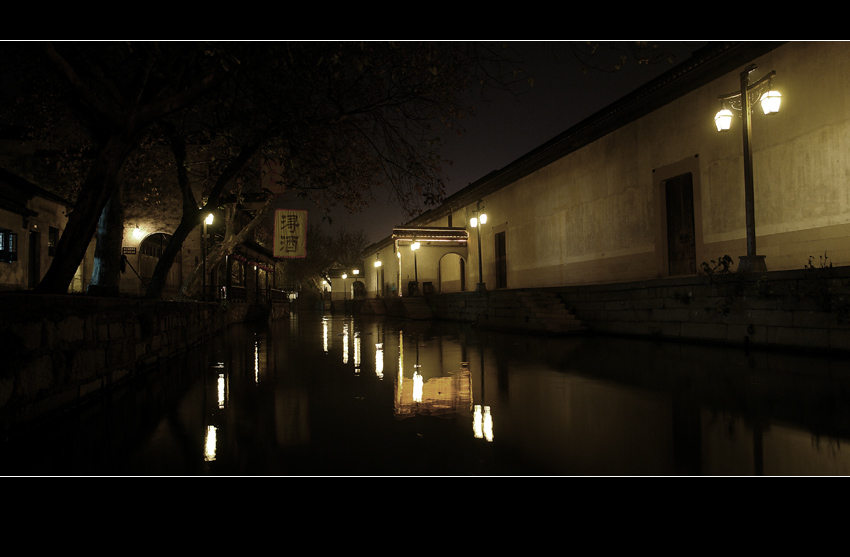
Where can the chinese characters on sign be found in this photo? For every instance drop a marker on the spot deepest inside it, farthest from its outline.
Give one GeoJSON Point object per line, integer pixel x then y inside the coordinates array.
{"type": "Point", "coordinates": [290, 233]}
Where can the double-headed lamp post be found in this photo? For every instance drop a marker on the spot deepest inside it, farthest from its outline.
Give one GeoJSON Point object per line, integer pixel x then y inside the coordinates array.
{"type": "Point", "coordinates": [743, 100]}
{"type": "Point", "coordinates": [476, 221]}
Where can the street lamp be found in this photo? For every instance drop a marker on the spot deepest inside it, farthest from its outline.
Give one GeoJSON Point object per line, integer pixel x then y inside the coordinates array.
{"type": "Point", "coordinates": [207, 221]}
{"type": "Point", "coordinates": [344, 289]}
{"type": "Point", "coordinates": [743, 100]}
{"type": "Point", "coordinates": [377, 270]}
{"type": "Point", "coordinates": [414, 247]}
{"type": "Point", "coordinates": [398, 277]}
{"type": "Point", "coordinates": [478, 219]}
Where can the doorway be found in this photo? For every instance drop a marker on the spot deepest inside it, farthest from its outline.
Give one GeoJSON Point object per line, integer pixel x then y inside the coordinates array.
{"type": "Point", "coordinates": [681, 241]}
{"type": "Point", "coordinates": [501, 261]}
{"type": "Point", "coordinates": [34, 256]}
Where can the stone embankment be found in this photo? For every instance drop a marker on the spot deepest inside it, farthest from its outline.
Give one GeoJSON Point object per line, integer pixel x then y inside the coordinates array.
{"type": "Point", "coordinates": [59, 351]}
{"type": "Point", "coordinates": [802, 309]}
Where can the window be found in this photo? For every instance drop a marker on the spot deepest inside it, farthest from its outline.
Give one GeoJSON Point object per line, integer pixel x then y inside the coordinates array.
{"type": "Point", "coordinates": [52, 238]}
{"type": "Point", "coordinates": [8, 246]}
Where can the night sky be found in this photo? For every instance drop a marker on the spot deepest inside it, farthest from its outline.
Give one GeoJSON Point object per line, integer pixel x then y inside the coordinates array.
{"type": "Point", "coordinates": [509, 127]}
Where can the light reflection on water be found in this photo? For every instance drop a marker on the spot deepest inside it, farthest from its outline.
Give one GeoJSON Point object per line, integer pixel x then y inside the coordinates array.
{"type": "Point", "coordinates": [341, 395]}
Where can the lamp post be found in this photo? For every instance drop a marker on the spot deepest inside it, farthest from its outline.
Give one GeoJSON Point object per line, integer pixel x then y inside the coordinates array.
{"type": "Point", "coordinates": [414, 288]}
{"type": "Point", "coordinates": [414, 247]}
{"type": "Point", "coordinates": [476, 222]}
{"type": "Point", "coordinates": [377, 270]}
{"type": "Point", "coordinates": [398, 278]}
{"type": "Point", "coordinates": [743, 100]}
{"type": "Point", "coordinates": [344, 289]}
{"type": "Point", "coordinates": [207, 221]}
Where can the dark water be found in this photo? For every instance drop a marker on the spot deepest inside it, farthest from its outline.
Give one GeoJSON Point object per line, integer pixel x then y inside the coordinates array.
{"type": "Point", "coordinates": [321, 395]}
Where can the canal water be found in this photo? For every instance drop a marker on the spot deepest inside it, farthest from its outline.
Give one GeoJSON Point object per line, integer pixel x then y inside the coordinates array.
{"type": "Point", "coordinates": [330, 395]}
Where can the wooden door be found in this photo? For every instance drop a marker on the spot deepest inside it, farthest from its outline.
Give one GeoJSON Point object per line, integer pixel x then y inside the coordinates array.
{"type": "Point", "coordinates": [681, 242]}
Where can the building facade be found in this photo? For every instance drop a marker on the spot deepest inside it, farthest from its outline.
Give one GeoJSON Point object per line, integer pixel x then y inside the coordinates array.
{"type": "Point", "coordinates": [31, 221]}
{"type": "Point", "coordinates": [648, 188]}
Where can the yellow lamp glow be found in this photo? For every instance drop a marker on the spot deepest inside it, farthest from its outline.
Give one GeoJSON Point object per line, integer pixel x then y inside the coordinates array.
{"type": "Point", "coordinates": [473, 222]}
{"type": "Point", "coordinates": [209, 219]}
{"type": "Point", "coordinates": [723, 120]}
{"type": "Point", "coordinates": [414, 246]}
{"type": "Point", "coordinates": [770, 102]}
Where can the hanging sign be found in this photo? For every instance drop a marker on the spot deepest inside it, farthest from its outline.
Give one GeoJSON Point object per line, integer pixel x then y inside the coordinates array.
{"type": "Point", "coordinates": [290, 233]}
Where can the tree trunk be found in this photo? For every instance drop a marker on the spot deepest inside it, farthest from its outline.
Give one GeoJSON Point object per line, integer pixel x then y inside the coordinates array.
{"type": "Point", "coordinates": [98, 187]}
{"type": "Point", "coordinates": [106, 273]}
{"type": "Point", "coordinates": [190, 220]}
{"type": "Point", "coordinates": [226, 247]}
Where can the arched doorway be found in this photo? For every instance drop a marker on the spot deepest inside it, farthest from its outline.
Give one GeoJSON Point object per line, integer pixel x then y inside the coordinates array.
{"type": "Point", "coordinates": [452, 273]}
{"type": "Point", "coordinates": [150, 251]}
{"type": "Point", "coordinates": [358, 290]}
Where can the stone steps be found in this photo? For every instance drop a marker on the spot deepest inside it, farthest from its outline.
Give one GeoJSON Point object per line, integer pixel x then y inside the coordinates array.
{"type": "Point", "coordinates": [533, 311]}
{"type": "Point", "coordinates": [409, 307]}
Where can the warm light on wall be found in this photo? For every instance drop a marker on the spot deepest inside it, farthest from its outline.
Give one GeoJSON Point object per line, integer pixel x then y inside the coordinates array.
{"type": "Point", "coordinates": [770, 102]}
{"type": "Point", "coordinates": [473, 222]}
{"type": "Point", "coordinates": [723, 120]}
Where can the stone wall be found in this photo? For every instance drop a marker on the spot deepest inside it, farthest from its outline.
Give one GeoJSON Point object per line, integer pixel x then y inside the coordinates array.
{"type": "Point", "coordinates": [61, 350]}
{"type": "Point", "coordinates": [806, 309]}
{"type": "Point", "coordinates": [803, 309]}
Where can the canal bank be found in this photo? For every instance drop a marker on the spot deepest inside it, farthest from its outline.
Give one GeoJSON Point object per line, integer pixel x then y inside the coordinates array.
{"type": "Point", "coordinates": [806, 309]}
{"type": "Point", "coordinates": [60, 351]}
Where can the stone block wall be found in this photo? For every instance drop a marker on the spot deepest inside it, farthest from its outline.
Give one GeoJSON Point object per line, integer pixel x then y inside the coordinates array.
{"type": "Point", "coordinates": [804, 309]}
{"type": "Point", "coordinates": [60, 350]}
{"type": "Point", "coordinates": [807, 308]}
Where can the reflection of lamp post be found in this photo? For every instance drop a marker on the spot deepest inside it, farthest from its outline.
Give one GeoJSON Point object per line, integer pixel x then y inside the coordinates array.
{"type": "Point", "coordinates": [743, 101]}
{"type": "Point", "coordinates": [377, 270]}
{"type": "Point", "coordinates": [482, 420]}
{"type": "Point", "coordinates": [475, 222]}
{"type": "Point", "coordinates": [207, 221]}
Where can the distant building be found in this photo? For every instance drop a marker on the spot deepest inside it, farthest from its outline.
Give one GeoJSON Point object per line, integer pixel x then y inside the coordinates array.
{"type": "Point", "coordinates": [648, 188]}
{"type": "Point", "coordinates": [31, 221]}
